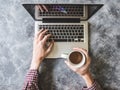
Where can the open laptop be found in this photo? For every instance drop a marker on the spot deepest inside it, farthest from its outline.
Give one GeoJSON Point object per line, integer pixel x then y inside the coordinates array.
{"type": "Point", "coordinates": [69, 29]}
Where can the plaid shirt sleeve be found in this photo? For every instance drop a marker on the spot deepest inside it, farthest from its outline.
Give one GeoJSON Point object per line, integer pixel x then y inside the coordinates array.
{"type": "Point", "coordinates": [95, 86]}
{"type": "Point", "coordinates": [31, 81]}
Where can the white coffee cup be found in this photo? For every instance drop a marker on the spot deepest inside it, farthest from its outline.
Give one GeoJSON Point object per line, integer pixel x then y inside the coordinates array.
{"type": "Point", "coordinates": [72, 56]}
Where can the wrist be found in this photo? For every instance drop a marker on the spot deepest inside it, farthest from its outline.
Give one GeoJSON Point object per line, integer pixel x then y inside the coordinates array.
{"type": "Point", "coordinates": [88, 79]}
{"type": "Point", "coordinates": [35, 65]}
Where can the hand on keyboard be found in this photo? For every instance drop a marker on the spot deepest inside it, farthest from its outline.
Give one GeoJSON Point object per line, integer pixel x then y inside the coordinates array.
{"type": "Point", "coordinates": [42, 8]}
{"type": "Point", "coordinates": [41, 48]}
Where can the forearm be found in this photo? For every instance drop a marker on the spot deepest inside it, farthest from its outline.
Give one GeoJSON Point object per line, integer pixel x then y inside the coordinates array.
{"type": "Point", "coordinates": [40, 51]}
{"type": "Point", "coordinates": [35, 63]}
{"type": "Point", "coordinates": [88, 79]}
{"type": "Point", "coordinates": [90, 82]}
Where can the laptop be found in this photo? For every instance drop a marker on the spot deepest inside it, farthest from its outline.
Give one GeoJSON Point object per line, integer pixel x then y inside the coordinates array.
{"type": "Point", "coordinates": [69, 29]}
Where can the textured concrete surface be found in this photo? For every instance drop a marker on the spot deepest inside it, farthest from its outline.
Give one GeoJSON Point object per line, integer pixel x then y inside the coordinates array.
{"type": "Point", "coordinates": [16, 37]}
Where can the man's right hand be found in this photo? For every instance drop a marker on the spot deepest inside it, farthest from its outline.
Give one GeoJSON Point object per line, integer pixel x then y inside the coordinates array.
{"type": "Point", "coordinates": [84, 69]}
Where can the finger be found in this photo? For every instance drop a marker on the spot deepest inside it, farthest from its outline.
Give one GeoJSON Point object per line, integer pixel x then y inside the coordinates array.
{"type": "Point", "coordinates": [42, 34]}
{"type": "Point", "coordinates": [81, 49]}
{"type": "Point", "coordinates": [45, 8]}
{"type": "Point", "coordinates": [39, 6]}
{"type": "Point", "coordinates": [86, 54]}
{"type": "Point", "coordinates": [36, 6]}
{"type": "Point", "coordinates": [46, 37]}
{"type": "Point", "coordinates": [85, 66]}
{"type": "Point", "coordinates": [84, 50]}
{"type": "Point", "coordinates": [50, 47]}
{"type": "Point", "coordinates": [38, 33]}
{"type": "Point", "coordinates": [83, 70]}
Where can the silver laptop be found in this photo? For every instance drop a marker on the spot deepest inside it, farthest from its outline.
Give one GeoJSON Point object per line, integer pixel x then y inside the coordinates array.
{"type": "Point", "coordinates": [69, 29]}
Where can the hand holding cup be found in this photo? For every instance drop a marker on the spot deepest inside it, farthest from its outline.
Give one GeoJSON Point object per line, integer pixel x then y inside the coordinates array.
{"type": "Point", "coordinates": [84, 68]}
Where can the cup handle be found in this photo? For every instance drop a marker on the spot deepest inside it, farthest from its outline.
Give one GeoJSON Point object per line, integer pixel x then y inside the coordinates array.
{"type": "Point", "coordinates": [64, 55]}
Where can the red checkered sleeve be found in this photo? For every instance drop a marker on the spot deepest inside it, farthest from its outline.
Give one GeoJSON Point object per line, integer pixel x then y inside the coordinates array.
{"type": "Point", "coordinates": [95, 86]}
{"type": "Point", "coordinates": [31, 81]}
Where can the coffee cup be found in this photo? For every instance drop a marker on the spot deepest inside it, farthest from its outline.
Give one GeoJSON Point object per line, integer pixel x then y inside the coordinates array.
{"type": "Point", "coordinates": [75, 58]}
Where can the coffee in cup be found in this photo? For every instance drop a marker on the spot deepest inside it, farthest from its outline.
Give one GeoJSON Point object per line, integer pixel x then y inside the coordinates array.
{"type": "Point", "coordinates": [75, 58]}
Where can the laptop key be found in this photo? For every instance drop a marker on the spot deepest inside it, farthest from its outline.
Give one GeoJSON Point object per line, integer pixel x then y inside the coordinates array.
{"type": "Point", "coordinates": [60, 40]}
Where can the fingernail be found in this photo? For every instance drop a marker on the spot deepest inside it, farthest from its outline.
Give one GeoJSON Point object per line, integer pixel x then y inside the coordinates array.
{"type": "Point", "coordinates": [46, 29]}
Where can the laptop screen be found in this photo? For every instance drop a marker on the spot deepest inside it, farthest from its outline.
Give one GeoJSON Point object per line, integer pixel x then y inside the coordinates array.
{"type": "Point", "coordinates": [62, 11]}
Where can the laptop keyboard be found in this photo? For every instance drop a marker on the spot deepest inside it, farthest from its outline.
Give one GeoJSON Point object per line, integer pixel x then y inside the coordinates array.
{"type": "Point", "coordinates": [65, 33]}
{"type": "Point", "coordinates": [63, 10]}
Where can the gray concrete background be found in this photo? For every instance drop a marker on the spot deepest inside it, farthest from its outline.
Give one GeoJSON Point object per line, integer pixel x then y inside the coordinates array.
{"type": "Point", "coordinates": [16, 37]}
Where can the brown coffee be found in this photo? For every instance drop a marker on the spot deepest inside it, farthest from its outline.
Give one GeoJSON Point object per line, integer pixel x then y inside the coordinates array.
{"type": "Point", "coordinates": [75, 57]}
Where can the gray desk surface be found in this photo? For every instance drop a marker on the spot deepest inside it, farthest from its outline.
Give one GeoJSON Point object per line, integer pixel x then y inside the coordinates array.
{"type": "Point", "coordinates": [16, 37]}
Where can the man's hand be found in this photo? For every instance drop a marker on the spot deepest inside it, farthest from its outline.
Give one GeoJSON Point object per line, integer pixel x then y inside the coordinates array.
{"type": "Point", "coordinates": [41, 48]}
{"type": "Point", "coordinates": [42, 8]}
{"type": "Point", "coordinates": [84, 69]}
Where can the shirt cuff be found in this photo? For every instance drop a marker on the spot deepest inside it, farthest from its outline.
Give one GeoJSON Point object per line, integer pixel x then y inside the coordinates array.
{"type": "Point", "coordinates": [32, 76]}
{"type": "Point", "coordinates": [95, 86]}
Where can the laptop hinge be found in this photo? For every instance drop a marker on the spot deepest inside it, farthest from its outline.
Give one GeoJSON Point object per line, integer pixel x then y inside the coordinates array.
{"type": "Point", "coordinates": [61, 20]}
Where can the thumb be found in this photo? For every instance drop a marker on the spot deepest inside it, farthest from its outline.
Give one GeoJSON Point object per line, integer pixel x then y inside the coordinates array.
{"type": "Point", "coordinates": [50, 47]}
